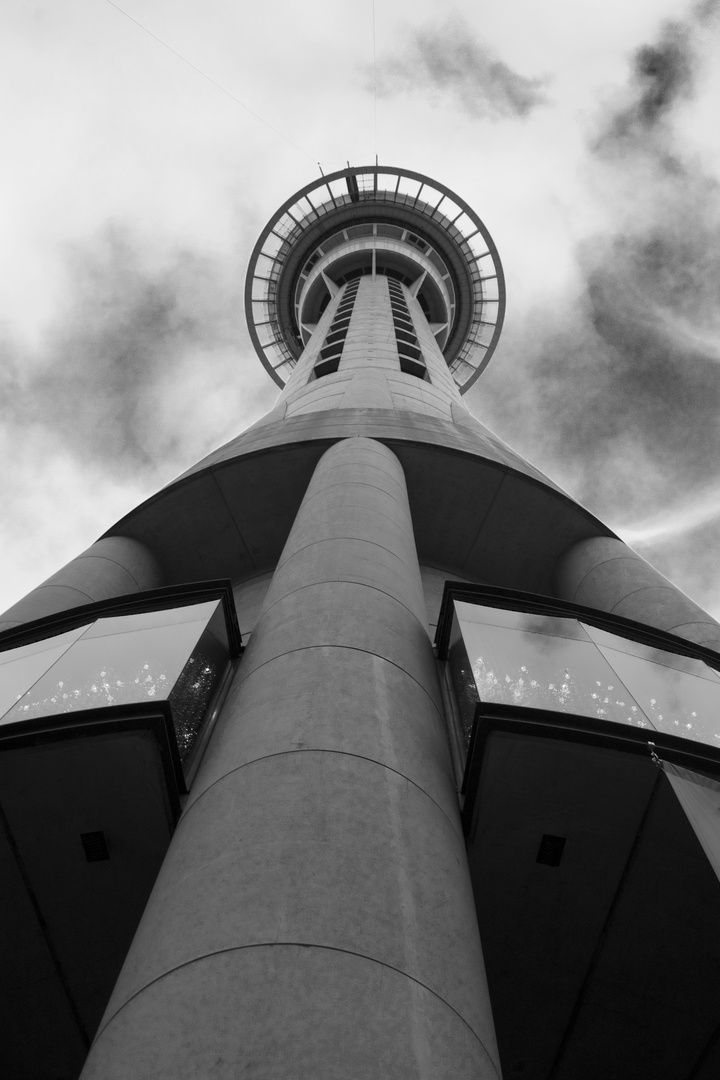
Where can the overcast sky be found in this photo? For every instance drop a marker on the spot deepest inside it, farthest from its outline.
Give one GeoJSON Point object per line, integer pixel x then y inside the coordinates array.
{"type": "Point", "coordinates": [584, 134]}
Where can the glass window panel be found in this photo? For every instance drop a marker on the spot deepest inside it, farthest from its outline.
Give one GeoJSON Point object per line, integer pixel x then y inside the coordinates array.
{"type": "Point", "coordinates": [17, 675]}
{"type": "Point", "coordinates": [478, 245]}
{"type": "Point", "coordinates": [197, 683]}
{"type": "Point", "coordinates": [463, 680]}
{"type": "Point", "coordinates": [554, 625]}
{"type": "Point", "coordinates": [649, 652]}
{"type": "Point", "coordinates": [465, 224]}
{"type": "Point", "coordinates": [490, 289]}
{"type": "Point", "coordinates": [408, 186]}
{"type": "Point", "coordinates": [537, 670]}
{"type": "Point", "coordinates": [98, 671]}
{"type": "Point", "coordinates": [145, 620]}
{"type": "Point", "coordinates": [48, 644]}
{"type": "Point", "coordinates": [271, 245]}
{"type": "Point", "coordinates": [675, 701]}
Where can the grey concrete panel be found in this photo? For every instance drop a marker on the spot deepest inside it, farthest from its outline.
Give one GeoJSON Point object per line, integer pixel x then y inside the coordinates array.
{"type": "Point", "coordinates": [113, 566]}
{"type": "Point", "coordinates": [359, 561]}
{"type": "Point", "coordinates": [347, 616]}
{"type": "Point", "coordinates": [263, 499]}
{"type": "Point", "coordinates": [368, 390]}
{"type": "Point", "coordinates": [603, 568]}
{"type": "Point", "coordinates": [700, 633]}
{"type": "Point", "coordinates": [603, 573]}
{"type": "Point", "coordinates": [433, 581]}
{"type": "Point", "coordinates": [311, 700]}
{"type": "Point", "coordinates": [328, 401]}
{"type": "Point", "coordinates": [249, 597]}
{"type": "Point", "coordinates": [45, 600]}
{"type": "Point", "coordinates": [658, 605]}
{"type": "Point", "coordinates": [342, 423]}
{"type": "Point", "coordinates": [360, 521]}
{"type": "Point", "coordinates": [292, 849]}
{"type": "Point", "coordinates": [315, 1014]}
{"type": "Point", "coordinates": [194, 530]}
{"type": "Point", "coordinates": [463, 492]}
{"type": "Point", "coordinates": [524, 526]}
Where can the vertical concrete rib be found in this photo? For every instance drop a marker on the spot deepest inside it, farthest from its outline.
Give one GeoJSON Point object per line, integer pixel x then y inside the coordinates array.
{"type": "Point", "coordinates": [314, 916]}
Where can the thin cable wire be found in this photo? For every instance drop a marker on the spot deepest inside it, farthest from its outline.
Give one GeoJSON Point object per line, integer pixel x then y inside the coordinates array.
{"type": "Point", "coordinates": [209, 79]}
{"type": "Point", "coordinates": [374, 81]}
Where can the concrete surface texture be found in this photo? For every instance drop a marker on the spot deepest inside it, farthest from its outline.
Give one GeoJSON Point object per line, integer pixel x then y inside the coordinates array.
{"type": "Point", "coordinates": [113, 566]}
{"type": "Point", "coordinates": [314, 915]}
{"type": "Point", "coordinates": [604, 573]}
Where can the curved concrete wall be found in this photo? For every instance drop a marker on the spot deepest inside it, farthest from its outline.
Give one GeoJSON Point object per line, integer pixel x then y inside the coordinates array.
{"type": "Point", "coordinates": [113, 566]}
{"type": "Point", "coordinates": [314, 915]}
{"type": "Point", "coordinates": [603, 573]}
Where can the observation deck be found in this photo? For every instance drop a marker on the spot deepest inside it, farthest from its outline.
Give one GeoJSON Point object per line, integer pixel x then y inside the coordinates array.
{"type": "Point", "coordinates": [382, 220]}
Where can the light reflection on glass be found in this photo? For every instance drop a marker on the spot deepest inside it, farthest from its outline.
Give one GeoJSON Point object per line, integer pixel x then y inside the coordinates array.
{"type": "Point", "coordinates": [557, 663]}
{"type": "Point", "coordinates": [190, 697]}
{"type": "Point", "coordinates": [553, 625]}
{"type": "Point", "coordinates": [177, 655]}
{"type": "Point", "coordinates": [675, 701]}
{"type": "Point", "coordinates": [20, 668]}
{"type": "Point", "coordinates": [135, 667]}
{"type": "Point", "coordinates": [514, 667]}
{"type": "Point", "coordinates": [146, 620]}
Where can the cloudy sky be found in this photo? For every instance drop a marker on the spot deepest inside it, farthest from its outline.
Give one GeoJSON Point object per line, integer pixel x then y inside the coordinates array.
{"type": "Point", "coordinates": [139, 163]}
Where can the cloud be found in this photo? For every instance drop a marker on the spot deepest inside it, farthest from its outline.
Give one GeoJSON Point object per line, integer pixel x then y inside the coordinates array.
{"type": "Point", "coordinates": [448, 59]}
{"type": "Point", "coordinates": [111, 378]}
{"type": "Point", "coordinates": [620, 386]}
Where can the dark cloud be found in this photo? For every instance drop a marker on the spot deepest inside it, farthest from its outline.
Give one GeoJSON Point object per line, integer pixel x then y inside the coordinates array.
{"type": "Point", "coordinates": [449, 59]}
{"type": "Point", "coordinates": [110, 378]}
{"type": "Point", "coordinates": [706, 11]}
{"type": "Point", "coordinates": [621, 389]}
{"type": "Point", "coordinates": [662, 77]}
{"type": "Point", "coordinates": [664, 73]}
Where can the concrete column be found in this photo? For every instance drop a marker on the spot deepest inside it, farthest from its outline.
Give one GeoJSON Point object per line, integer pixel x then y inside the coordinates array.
{"type": "Point", "coordinates": [113, 566]}
{"type": "Point", "coordinates": [604, 573]}
{"type": "Point", "coordinates": [314, 917]}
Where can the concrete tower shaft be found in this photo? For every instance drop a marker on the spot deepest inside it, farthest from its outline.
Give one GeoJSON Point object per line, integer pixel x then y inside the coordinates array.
{"type": "Point", "coordinates": [372, 348]}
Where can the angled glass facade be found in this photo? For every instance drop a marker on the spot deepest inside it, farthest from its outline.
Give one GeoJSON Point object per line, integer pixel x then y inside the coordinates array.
{"type": "Point", "coordinates": [178, 655]}
{"type": "Point", "coordinates": [564, 664]}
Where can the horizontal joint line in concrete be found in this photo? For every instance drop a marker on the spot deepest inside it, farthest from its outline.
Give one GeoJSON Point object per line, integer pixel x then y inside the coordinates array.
{"type": "Point", "coordinates": [353, 648]}
{"type": "Point", "coordinates": [708, 622]}
{"type": "Point", "coordinates": [301, 945]}
{"type": "Point", "coordinates": [332, 540]}
{"type": "Point", "coordinates": [389, 460]}
{"type": "Point", "coordinates": [114, 562]}
{"type": "Point", "coordinates": [59, 585]}
{"type": "Point", "coordinates": [486, 516]}
{"type": "Point", "coordinates": [348, 581]}
{"type": "Point", "coordinates": [318, 750]}
{"type": "Point", "coordinates": [409, 534]}
{"type": "Point", "coordinates": [644, 588]}
{"type": "Point", "coordinates": [630, 557]}
{"type": "Point", "coordinates": [358, 483]}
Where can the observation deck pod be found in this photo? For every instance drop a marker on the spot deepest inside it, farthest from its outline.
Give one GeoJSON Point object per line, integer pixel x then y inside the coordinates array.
{"type": "Point", "coordinates": [376, 220]}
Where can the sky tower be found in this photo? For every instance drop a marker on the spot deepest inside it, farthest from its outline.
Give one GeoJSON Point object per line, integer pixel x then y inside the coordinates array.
{"type": "Point", "coordinates": [361, 749]}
